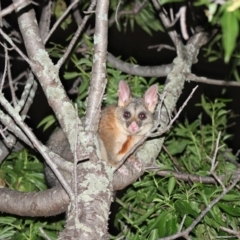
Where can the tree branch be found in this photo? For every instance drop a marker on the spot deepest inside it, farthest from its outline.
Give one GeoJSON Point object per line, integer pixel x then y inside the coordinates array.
{"type": "Point", "coordinates": [45, 19]}
{"type": "Point", "coordinates": [76, 35]}
{"type": "Point", "coordinates": [166, 23]}
{"type": "Point", "coordinates": [56, 24]}
{"type": "Point", "coordinates": [48, 77]}
{"type": "Point", "coordinates": [98, 78]}
{"type": "Point", "coordinates": [193, 77]}
{"type": "Point", "coordinates": [34, 203]}
{"type": "Point", "coordinates": [11, 8]}
{"type": "Point", "coordinates": [144, 71]}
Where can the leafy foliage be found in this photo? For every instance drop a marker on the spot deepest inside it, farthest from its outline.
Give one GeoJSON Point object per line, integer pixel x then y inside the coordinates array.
{"type": "Point", "coordinates": [22, 171]}
{"type": "Point", "coordinates": [155, 207]}
{"type": "Point", "coordinates": [58, 9]}
{"type": "Point", "coordinates": [228, 14]}
{"type": "Point", "coordinates": [143, 15]}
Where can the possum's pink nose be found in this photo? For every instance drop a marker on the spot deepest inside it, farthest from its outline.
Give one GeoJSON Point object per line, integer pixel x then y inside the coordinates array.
{"type": "Point", "coordinates": [133, 127]}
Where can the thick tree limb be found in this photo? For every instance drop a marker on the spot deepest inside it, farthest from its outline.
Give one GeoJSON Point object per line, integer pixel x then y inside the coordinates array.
{"type": "Point", "coordinates": [47, 75]}
{"type": "Point", "coordinates": [95, 185]}
{"type": "Point", "coordinates": [45, 203]}
{"type": "Point", "coordinates": [98, 78]}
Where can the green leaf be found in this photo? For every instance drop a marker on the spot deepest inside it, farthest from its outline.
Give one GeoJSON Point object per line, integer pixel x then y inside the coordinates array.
{"type": "Point", "coordinates": [70, 75]}
{"type": "Point", "coordinates": [231, 197]}
{"type": "Point", "coordinates": [213, 58]}
{"type": "Point", "coordinates": [153, 235]}
{"type": "Point", "coordinates": [229, 209]}
{"type": "Point", "coordinates": [171, 185]}
{"type": "Point", "coordinates": [156, 223]}
{"type": "Point", "coordinates": [184, 208]}
{"type": "Point", "coordinates": [211, 222]}
{"type": "Point", "coordinates": [230, 29]}
{"type": "Point", "coordinates": [168, 225]}
{"type": "Point", "coordinates": [177, 147]}
{"type": "Point", "coordinates": [47, 122]}
{"type": "Point", "coordinates": [146, 215]}
{"type": "Point", "coordinates": [169, 1]}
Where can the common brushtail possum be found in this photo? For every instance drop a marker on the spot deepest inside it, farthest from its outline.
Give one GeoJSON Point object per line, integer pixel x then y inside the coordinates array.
{"type": "Point", "coordinates": [121, 126]}
{"type": "Point", "coordinates": [124, 125]}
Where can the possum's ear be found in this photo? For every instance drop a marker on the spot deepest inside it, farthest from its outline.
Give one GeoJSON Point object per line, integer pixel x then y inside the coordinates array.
{"type": "Point", "coordinates": [151, 97]}
{"type": "Point", "coordinates": [124, 93]}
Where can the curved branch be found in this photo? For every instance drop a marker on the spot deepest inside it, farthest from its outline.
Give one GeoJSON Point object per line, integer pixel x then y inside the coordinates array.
{"type": "Point", "coordinates": [144, 71]}
{"type": "Point", "coordinates": [44, 203]}
{"type": "Point", "coordinates": [163, 71]}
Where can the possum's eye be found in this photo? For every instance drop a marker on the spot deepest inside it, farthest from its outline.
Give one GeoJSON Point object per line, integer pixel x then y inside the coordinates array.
{"type": "Point", "coordinates": [142, 115]}
{"type": "Point", "coordinates": [126, 114]}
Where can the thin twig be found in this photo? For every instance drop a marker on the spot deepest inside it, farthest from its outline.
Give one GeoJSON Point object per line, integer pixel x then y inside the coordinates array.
{"type": "Point", "coordinates": [163, 70]}
{"type": "Point", "coordinates": [14, 98]}
{"type": "Point", "coordinates": [214, 163]}
{"type": "Point", "coordinates": [4, 137]}
{"type": "Point", "coordinates": [117, 9]}
{"type": "Point", "coordinates": [175, 162]}
{"type": "Point", "coordinates": [76, 35]}
{"type": "Point", "coordinates": [182, 222]}
{"type": "Point", "coordinates": [183, 25]}
{"type": "Point", "coordinates": [144, 71]}
{"type": "Point", "coordinates": [232, 232]}
{"type": "Point", "coordinates": [76, 13]}
{"type": "Point", "coordinates": [28, 95]}
{"type": "Point", "coordinates": [9, 40]}
{"type": "Point", "coordinates": [172, 33]}
{"type": "Point", "coordinates": [162, 46]}
{"type": "Point", "coordinates": [12, 8]}
{"type": "Point", "coordinates": [193, 77]}
{"type": "Point", "coordinates": [137, 8]}
{"type": "Point", "coordinates": [5, 67]}
{"type": "Point", "coordinates": [45, 19]}
{"type": "Point", "coordinates": [60, 20]}
{"type": "Point", "coordinates": [176, 116]}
